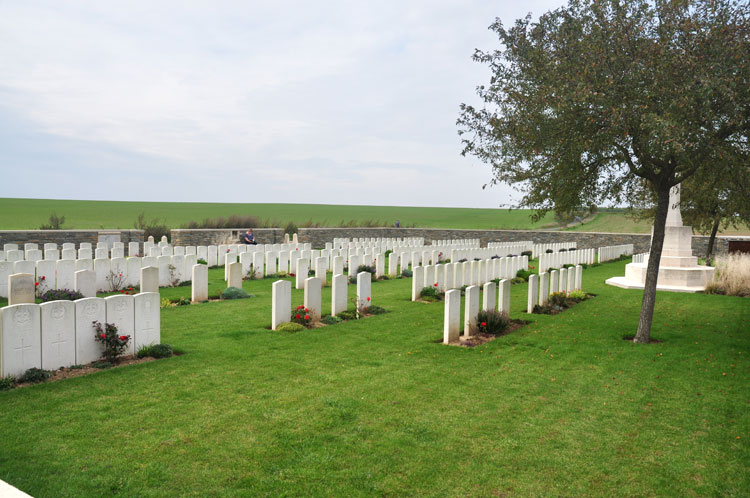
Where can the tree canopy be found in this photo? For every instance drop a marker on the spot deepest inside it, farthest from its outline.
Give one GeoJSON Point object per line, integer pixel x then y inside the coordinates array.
{"type": "Point", "coordinates": [599, 100]}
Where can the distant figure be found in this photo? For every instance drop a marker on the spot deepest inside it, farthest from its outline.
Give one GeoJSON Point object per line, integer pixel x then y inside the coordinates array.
{"type": "Point", "coordinates": [249, 238]}
{"type": "Point", "coordinates": [398, 224]}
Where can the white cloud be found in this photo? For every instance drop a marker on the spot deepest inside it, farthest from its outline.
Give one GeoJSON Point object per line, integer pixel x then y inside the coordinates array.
{"type": "Point", "coordinates": [336, 93]}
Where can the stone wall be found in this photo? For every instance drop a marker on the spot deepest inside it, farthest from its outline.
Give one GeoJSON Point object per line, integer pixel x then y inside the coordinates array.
{"type": "Point", "coordinates": [319, 236]}
{"type": "Point", "coordinates": [62, 236]}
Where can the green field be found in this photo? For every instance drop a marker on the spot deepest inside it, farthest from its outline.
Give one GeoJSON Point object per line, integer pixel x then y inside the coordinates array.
{"type": "Point", "coordinates": [30, 214]}
{"type": "Point", "coordinates": [621, 223]}
{"type": "Point", "coordinates": [377, 407]}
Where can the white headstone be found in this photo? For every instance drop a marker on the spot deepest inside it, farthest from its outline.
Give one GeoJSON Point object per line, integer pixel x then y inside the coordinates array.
{"type": "Point", "coordinates": [6, 270]}
{"type": "Point", "coordinates": [235, 275]}
{"type": "Point", "coordinates": [303, 266]}
{"type": "Point", "coordinates": [58, 334]}
{"type": "Point", "coordinates": [134, 249]}
{"type": "Point", "coordinates": [199, 292]}
{"type": "Point", "coordinates": [120, 311]}
{"type": "Point", "coordinates": [147, 319]}
{"type": "Point", "coordinates": [85, 254]}
{"type": "Point", "coordinates": [503, 298]}
{"type": "Point", "coordinates": [312, 297]}
{"type": "Point", "coordinates": [51, 254]}
{"type": "Point", "coordinates": [21, 288]}
{"type": "Point", "coordinates": [339, 288]}
{"type": "Point", "coordinates": [213, 256]}
{"type": "Point", "coordinates": [149, 279]}
{"type": "Point", "coordinates": [102, 267]}
{"type": "Point", "coordinates": [452, 316]}
{"type": "Point", "coordinates": [24, 267]}
{"type": "Point", "coordinates": [533, 293]}
{"type": "Point", "coordinates": [34, 255]}
{"type": "Point", "coordinates": [364, 289]}
{"type": "Point", "coordinates": [471, 309]}
{"type": "Point", "coordinates": [489, 296]}
{"type": "Point", "coordinates": [20, 339]}
{"type": "Point", "coordinates": [163, 263]}
{"type": "Point", "coordinates": [85, 283]}
{"type": "Point", "coordinates": [133, 271]}
{"type": "Point", "coordinates": [89, 310]}
{"type": "Point", "coordinates": [69, 254]}
{"type": "Point", "coordinates": [101, 253]}
{"type": "Point", "coordinates": [258, 264]}
{"type": "Point", "coordinates": [417, 282]}
{"type": "Point", "coordinates": [281, 303]}
{"type": "Point", "coordinates": [543, 288]}
{"type": "Point", "coordinates": [338, 265]}
{"type": "Point", "coordinates": [46, 275]}
{"type": "Point", "coordinates": [579, 277]}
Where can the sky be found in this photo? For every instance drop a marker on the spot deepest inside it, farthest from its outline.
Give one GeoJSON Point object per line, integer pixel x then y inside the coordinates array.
{"type": "Point", "coordinates": [244, 101]}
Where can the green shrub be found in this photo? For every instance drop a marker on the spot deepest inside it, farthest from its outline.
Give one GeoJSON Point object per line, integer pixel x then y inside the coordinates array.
{"type": "Point", "coordinates": [374, 310]}
{"type": "Point", "coordinates": [559, 299]}
{"type": "Point", "coordinates": [60, 295]}
{"type": "Point", "coordinates": [155, 228]}
{"type": "Point", "coordinates": [430, 292]}
{"type": "Point", "coordinates": [526, 253]}
{"type": "Point", "coordinates": [101, 364]}
{"type": "Point", "coordinates": [301, 316]}
{"type": "Point", "coordinates": [291, 228]}
{"type": "Point", "coordinates": [492, 322]}
{"type": "Point", "coordinates": [114, 343]}
{"type": "Point", "coordinates": [367, 268]}
{"type": "Point", "coordinates": [202, 261]}
{"type": "Point", "coordinates": [7, 383]}
{"type": "Point", "coordinates": [578, 295]}
{"type": "Point", "coordinates": [331, 320]}
{"type": "Point", "coordinates": [35, 375]}
{"type": "Point", "coordinates": [155, 351]}
{"type": "Point", "coordinates": [290, 327]}
{"type": "Point", "coordinates": [165, 303]}
{"type": "Point", "coordinates": [524, 274]}
{"type": "Point", "coordinates": [406, 273]}
{"type": "Point", "coordinates": [55, 222]}
{"type": "Point", "coordinates": [183, 301]}
{"type": "Point", "coordinates": [234, 293]}
{"type": "Point", "coordinates": [347, 315]}
{"type": "Point", "coordinates": [517, 280]}
{"type": "Point", "coordinates": [549, 251]}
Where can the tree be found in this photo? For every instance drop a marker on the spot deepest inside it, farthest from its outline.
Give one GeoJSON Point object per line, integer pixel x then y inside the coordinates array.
{"type": "Point", "coordinates": [601, 100]}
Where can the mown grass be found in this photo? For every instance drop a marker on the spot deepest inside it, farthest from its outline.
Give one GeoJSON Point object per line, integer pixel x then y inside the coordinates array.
{"type": "Point", "coordinates": [562, 407]}
{"type": "Point", "coordinates": [30, 214]}
{"type": "Point", "coordinates": [619, 222]}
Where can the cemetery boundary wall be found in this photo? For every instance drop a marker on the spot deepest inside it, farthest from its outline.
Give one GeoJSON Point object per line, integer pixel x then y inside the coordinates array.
{"type": "Point", "coordinates": [319, 236]}
{"type": "Point", "coordinates": [60, 237]}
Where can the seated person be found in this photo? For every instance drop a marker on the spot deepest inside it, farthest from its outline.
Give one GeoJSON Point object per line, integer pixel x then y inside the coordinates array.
{"type": "Point", "coordinates": [249, 238]}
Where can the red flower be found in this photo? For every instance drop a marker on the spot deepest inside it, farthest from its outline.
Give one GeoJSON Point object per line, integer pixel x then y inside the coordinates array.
{"type": "Point", "coordinates": [435, 285]}
{"type": "Point", "coordinates": [296, 316]}
{"type": "Point", "coordinates": [103, 336]}
{"type": "Point", "coordinates": [122, 291]}
{"type": "Point", "coordinates": [43, 277]}
{"type": "Point", "coordinates": [36, 283]}
{"type": "Point", "coordinates": [484, 324]}
{"type": "Point", "coordinates": [306, 310]}
{"type": "Point", "coordinates": [307, 317]}
{"type": "Point", "coordinates": [368, 298]}
{"type": "Point", "coordinates": [123, 338]}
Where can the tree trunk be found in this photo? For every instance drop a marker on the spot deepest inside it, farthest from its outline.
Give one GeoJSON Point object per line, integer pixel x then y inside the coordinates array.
{"type": "Point", "coordinates": [643, 335]}
{"type": "Point", "coordinates": [711, 240]}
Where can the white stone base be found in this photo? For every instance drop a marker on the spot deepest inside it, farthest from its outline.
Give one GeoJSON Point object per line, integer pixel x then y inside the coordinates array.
{"type": "Point", "coordinates": [629, 284]}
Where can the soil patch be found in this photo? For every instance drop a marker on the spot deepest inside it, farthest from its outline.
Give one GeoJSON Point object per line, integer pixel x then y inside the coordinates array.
{"type": "Point", "coordinates": [479, 339]}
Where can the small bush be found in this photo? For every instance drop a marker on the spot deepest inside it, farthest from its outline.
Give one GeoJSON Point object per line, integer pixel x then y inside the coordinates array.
{"type": "Point", "coordinates": [202, 261]}
{"type": "Point", "coordinates": [35, 375]}
{"type": "Point", "coordinates": [406, 273]}
{"type": "Point", "coordinates": [55, 222]}
{"type": "Point", "coordinates": [463, 260]}
{"type": "Point", "coordinates": [571, 249]}
{"type": "Point", "coordinates": [559, 299]}
{"type": "Point", "coordinates": [330, 320]}
{"type": "Point", "coordinates": [114, 343]}
{"type": "Point", "coordinates": [367, 268]}
{"type": "Point", "coordinates": [492, 322]}
{"type": "Point", "coordinates": [290, 327]}
{"type": "Point", "coordinates": [524, 274]}
{"type": "Point", "coordinates": [301, 315]}
{"type": "Point", "coordinates": [155, 351]}
{"type": "Point", "coordinates": [562, 250]}
{"type": "Point", "coordinates": [430, 293]}
{"type": "Point", "coordinates": [517, 280]}
{"type": "Point", "coordinates": [183, 301]}
{"type": "Point", "coordinates": [234, 293]}
{"type": "Point", "coordinates": [578, 295]}
{"type": "Point", "coordinates": [7, 383]}
{"type": "Point", "coordinates": [155, 228]}
{"type": "Point", "coordinates": [165, 303]}
{"type": "Point", "coordinates": [101, 364]}
{"type": "Point", "coordinates": [347, 315]}
{"type": "Point", "coordinates": [526, 253]}
{"type": "Point", "coordinates": [373, 310]}
{"type": "Point", "coordinates": [291, 228]}
{"type": "Point", "coordinates": [60, 295]}
{"type": "Point", "coordinates": [542, 310]}
{"type": "Point", "coordinates": [549, 251]}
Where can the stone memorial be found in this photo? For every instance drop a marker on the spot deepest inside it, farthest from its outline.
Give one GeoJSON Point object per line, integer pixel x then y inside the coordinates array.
{"type": "Point", "coordinates": [339, 287]}
{"type": "Point", "coordinates": [21, 289]}
{"type": "Point", "coordinates": [471, 309]}
{"type": "Point", "coordinates": [303, 268]}
{"type": "Point", "coordinates": [199, 291]}
{"type": "Point", "coordinates": [88, 310]}
{"type": "Point", "coordinates": [102, 268]}
{"type": "Point", "coordinates": [364, 289]}
{"type": "Point", "coordinates": [235, 275]}
{"type": "Point", "coordinates": [149, 279]}
{"type": "Point", "coordinates": [58, 334]}
{"type": "Point", "coordinates": [417, 282]}
{"type": "Point", "coordinates": [503, 298]}
{"type": "Point", "coordinates": [312, 298]}
{"type": "Point", "coordinates": [85, 282]}
{"type": "Point", "coordinates": [121, 312]}
{"type": "Point", "coordinates": [452, 316]}
{"type": "Point", "coordinates": [533, 293]}
{"type": "Point", "coordinates": [489, 296]}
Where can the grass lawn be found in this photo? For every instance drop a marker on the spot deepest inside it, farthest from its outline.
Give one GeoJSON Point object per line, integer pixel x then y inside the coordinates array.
{"type": "Point", "coordinates": [30, 214]}
{"type": "Point", "coordinates": [562, 407]}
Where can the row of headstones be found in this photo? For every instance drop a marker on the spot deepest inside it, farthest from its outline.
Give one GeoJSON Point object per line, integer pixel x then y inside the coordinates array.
{"type": "Point", "coordinates": [281, 297]}
{"type": "Point", "coordinates": [341, 242]}
{"type": "Point", "coordinates": [494, 297]}
{"type": "Point", "coordinates": [61, 333]}
{"type": "Point", "coordinates": [519, 246]}
{"type": "Point", "coordinates": [640, 258]}
{"type": "Point", "coordinates": [558, 259]}
{"type": "Point", "coordinates": [485, 253]}
{"type": "Point", "coordinates": [61, 274]}
{"type": "Point", "coordinates": [215, 254]}
{"type": "Point", "coordinates": [609, 253]}
{"type": "Point", "coordinates": [456, 275]}
{"type": "Point", "coordinates": [538, 249]}
{"type": "Point", "coordinates": [542, 285]}
{"type": "Point", "coordinates": [462, 243]}
{"type": "Point", "coordinates": [52, 253]}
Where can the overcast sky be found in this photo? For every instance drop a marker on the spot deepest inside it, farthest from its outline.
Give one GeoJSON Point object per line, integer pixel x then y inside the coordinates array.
{"type": "Point", "coordinates": [240, 101]}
